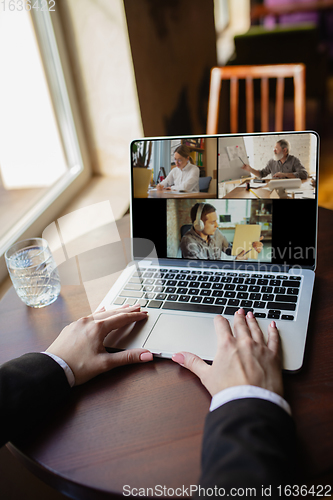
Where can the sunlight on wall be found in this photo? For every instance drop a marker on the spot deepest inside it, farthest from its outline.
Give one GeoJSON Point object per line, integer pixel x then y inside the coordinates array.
{"type": "Point", "coordinates": [238, 14]}
{"type": "Point", "coordinates": [102, 59]}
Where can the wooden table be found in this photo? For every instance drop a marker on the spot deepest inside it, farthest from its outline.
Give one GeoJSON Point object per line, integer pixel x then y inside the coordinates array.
{"type": "Point", "coordinates": [142, 425]}
{"type": "Point", "coordinates": [242, 193]}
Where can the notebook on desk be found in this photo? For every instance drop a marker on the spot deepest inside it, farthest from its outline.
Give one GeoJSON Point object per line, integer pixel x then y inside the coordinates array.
{"type": "Point", "coordinates": [184, 268]}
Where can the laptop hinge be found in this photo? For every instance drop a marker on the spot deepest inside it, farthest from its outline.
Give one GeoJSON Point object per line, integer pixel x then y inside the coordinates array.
{"type": "Point", "coordinates": [253, 266]}
{"type": "Point", "coordinates": [311, 268]}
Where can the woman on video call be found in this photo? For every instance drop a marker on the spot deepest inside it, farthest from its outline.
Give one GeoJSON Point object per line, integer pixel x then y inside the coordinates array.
{"type": "Point", "coordinates": [185, 175]}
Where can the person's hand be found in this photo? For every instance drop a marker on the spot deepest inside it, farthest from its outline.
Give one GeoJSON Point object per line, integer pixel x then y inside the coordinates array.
{"type": "Point", "coordinates": [80, 344]}
{"type": "Point", "coordinates": [284, 175]}
{"type": "Point", "coordinates": [279, 175]}
{"type": "Point", "coordinates": [242, 255]}
{"type": "Point", "coordinates": [159, 187]}
{"type": "Point", "coordinates": [246, 167]}
{"type": "Point", "coordinates": [242, 359]}
{"type": "Point", "coordinates": [257, 245]}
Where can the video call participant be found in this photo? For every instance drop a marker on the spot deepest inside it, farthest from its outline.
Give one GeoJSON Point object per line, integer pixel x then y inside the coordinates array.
{"type": "Point", "coordinates": [282, 166]}
{"type": "Point", "coordinates": [249, 436]}
{"type": "Point", "coordinates": [204, 240]}
{"type": "Point", "coordinates": [185, 175]}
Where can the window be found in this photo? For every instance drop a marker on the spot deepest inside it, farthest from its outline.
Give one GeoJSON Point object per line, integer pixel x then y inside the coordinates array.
{"type": "Point", "coordinates": [42, 162]}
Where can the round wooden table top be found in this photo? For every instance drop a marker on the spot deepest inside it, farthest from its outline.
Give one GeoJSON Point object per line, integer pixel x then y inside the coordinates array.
{"type": "Point", "coordinates": [142, 426]}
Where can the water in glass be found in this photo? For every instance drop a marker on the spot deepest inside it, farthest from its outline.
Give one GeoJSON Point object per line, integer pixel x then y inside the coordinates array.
{"type": "Point", "coordinates": [33, 272]}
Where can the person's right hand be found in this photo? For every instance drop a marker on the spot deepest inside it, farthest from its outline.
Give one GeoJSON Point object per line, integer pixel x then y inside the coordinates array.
{"type": "Point", "coordinates": [246, 167]}
{"type": "Point", "coordinates": [159, 187]}
{"type": "Point", "coordinates": [242, 359]}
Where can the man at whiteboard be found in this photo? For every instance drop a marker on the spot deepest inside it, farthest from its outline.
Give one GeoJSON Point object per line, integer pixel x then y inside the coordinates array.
{"type": "Point", "coordinates": [282, 166]}
{"type": "Point", "coordinates": [204, 240]}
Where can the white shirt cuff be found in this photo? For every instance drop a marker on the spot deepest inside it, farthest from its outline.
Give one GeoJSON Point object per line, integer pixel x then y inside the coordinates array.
{"type": "Point", "coordinates": [68, 372]}
{"type": "Point", "coordinates": [247, 391]}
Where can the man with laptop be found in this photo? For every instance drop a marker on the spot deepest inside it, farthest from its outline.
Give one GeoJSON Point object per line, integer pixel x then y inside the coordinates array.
{"type": "Point", "coordinates": [204, 240]}
{"type": "Point", "coordinates": [283, 165]}
{"type": "Point", "coordinates": [249, 434]}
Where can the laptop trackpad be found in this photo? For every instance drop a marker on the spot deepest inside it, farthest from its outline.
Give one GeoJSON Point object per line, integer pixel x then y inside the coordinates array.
{"type": "Point", "coordinates": [173, 333]}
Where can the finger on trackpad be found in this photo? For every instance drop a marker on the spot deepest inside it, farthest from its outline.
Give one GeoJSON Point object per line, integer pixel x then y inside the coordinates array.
{"type": "Point", "coordinates": [173, 333]}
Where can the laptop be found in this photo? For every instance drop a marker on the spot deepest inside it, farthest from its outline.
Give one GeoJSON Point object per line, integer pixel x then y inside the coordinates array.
{"type": "Point", "coordinates": [196, 254]}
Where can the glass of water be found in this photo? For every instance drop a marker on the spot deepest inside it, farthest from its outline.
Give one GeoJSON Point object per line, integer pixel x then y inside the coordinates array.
{"type": "Point", "coordinates": [33, 272]}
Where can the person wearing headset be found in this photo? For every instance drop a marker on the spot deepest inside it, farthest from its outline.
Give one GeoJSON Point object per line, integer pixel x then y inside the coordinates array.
{"type": "Point", "coordinates": [204, 240]}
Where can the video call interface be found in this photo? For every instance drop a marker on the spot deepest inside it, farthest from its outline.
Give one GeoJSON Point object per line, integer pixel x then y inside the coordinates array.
{"type": "Point", "coordinates": [248, 198]}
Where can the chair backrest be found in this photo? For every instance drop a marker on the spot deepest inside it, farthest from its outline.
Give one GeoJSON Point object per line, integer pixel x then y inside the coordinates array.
{"type": "Point", "coordinates": [184, 229]}
{"type": "Point", "coordinates": [249, 73]}
{"type": "Point", "coordinates": [204, 184]}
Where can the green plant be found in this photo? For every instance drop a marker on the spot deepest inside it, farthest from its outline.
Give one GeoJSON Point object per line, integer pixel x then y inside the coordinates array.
{"type": "Point", "coordinates": [141, 153]}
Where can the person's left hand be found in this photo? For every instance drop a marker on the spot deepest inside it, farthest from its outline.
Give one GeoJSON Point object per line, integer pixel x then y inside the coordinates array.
{"type": "Point", "coordinates": [283, 175]}
{"type": "Point", "coordinates": [80, 344]}
{"type": "Point", "coordinates": [244, 358]}
{"type": "Point", "coordinates": [257, 245]}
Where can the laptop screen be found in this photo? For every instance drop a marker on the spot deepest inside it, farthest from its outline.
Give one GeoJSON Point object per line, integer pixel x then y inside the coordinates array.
{"type": "Point", "coordinates": [248, 198]}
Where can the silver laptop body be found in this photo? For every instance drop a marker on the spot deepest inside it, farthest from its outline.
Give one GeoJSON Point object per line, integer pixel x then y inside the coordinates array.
{"type": "Point", "coordinates": [183, 295]}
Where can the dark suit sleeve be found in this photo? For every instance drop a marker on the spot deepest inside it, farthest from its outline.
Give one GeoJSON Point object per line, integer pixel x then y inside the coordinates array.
{"type": "Point", "coordinates": [248, 443]}
{"type": "Point", "coordinates": [30, 387]}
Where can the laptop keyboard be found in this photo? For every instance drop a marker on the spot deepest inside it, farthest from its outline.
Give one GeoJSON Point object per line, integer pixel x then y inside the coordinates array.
{"type": "Point", "coordinates": [216, 292]}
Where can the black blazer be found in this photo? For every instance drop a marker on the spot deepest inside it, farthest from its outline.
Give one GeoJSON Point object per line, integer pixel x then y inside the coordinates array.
{"type": "Point", "coordinates": [249, 443]}
{"type": "Point", "coordinates": [30, 387]}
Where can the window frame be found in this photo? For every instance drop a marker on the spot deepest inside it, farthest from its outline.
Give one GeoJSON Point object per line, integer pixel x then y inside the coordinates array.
{"type": "Point", "coordinates": [51, 44]}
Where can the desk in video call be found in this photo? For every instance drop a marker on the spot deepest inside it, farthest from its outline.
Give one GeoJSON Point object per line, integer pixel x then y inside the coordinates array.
{"type": "Point", "coordinates": [154, 193]}
{"type": "Point", "coordinates": [260, 191]}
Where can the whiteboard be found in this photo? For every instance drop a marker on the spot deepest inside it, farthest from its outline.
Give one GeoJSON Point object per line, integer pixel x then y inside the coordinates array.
{"type": "Point", "coordinates": [236, 153]}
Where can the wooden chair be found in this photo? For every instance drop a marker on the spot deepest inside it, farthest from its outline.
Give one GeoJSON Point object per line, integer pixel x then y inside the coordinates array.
{"type": "Point", "coordinates": [249, 73]}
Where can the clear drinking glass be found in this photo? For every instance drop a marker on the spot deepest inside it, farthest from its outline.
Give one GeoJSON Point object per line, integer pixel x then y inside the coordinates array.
{"type": "Point", "coordinates": [33, 272]}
